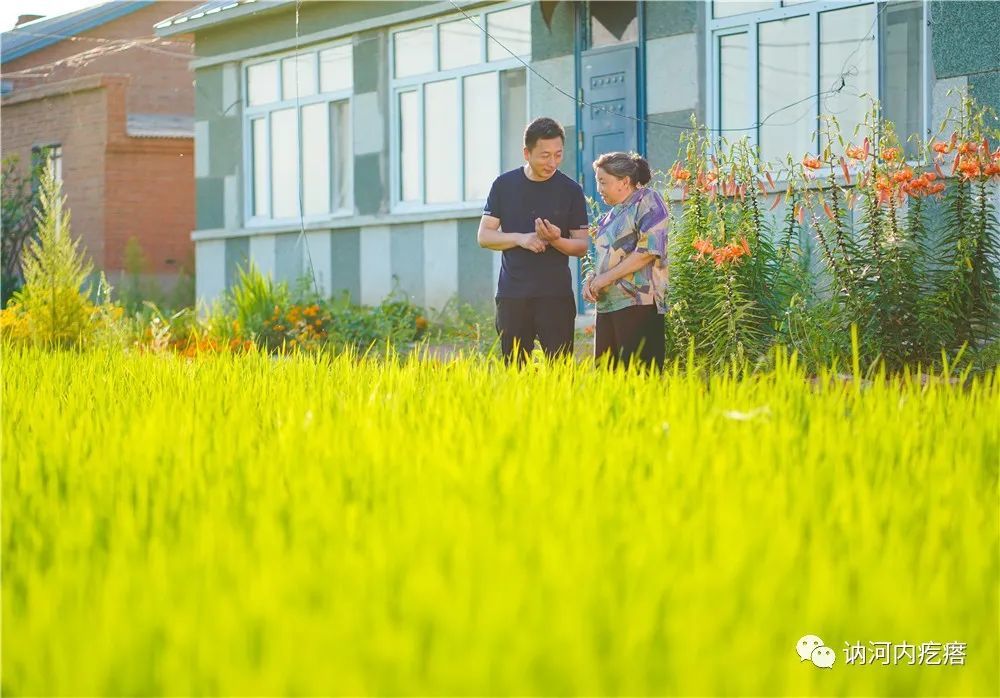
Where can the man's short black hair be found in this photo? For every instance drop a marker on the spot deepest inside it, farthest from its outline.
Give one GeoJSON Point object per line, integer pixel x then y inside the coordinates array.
{"type": "Point", "coordinates": [541, 129]}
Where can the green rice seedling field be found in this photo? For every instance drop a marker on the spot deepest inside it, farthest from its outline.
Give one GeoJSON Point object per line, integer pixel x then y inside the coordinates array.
{"type": "Point", "coordinates": [236, 524]}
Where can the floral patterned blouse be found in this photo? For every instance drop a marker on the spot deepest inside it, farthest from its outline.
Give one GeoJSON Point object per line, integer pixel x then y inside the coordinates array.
{"type": "Point", "coordinates": [638, 224]}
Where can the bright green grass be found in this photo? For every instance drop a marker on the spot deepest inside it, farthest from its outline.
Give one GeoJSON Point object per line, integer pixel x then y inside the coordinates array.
{"type": "Point", "coordinates": [252, 526]}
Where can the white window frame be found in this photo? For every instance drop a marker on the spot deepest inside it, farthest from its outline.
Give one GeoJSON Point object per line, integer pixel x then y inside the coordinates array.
{"type": "Point", "coordinates": [749, 23]}
{"type": "Point", "coordinates": [52, 152]}
{"type": "Point", "coordinates": [252, 113]}
{"type": "Point", "coordinates": [417, 83]}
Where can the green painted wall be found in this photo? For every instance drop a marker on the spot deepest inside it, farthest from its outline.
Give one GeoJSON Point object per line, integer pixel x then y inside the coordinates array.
{"type": "Point", "coordinates": [345, 263]}
{"type": "Point", "coordinates": [288, 254]}
{"type": "Point", "coordinates": [568, 165]}
{"type": "Point", "coordinates": [663, 144]}
{"type": "Point", "coordinates": [406, 244]}
{"type": "Point", "coordinates": [985, 87]}
{"type": "Point", "coordinates": [224, 144]}
{"type": "Point", "coordinates": [209, 202]}
{"type": "Point", "coordinates": [554, 39]}
{"type": "Point", "coordinates": [237, 255]}
{"type": "Point", "coordinates": [475, 267]}
{"type": "Point", "coordinates": [369, 189]}
{"type": "Point", "coordinates": [964, 37]}
{"type": "Point", "coordinates": [672, 18]}
{"type": "Point", "coordinates": [208, 96]}
{"type": "Point", "coordinates": [277, 25]}
{"type": "Point", "coordinates": [370, 56]}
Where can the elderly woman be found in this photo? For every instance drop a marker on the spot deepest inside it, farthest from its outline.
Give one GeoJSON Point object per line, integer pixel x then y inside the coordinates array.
{"type": "Point", "coordinates": [630, 283]}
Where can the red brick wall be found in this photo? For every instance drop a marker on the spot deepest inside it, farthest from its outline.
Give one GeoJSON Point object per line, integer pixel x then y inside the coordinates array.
{"type": "Point", "coordinates": [162, 82]}
{"type": "Point", "coordinates": [116, 186]}
{"type": "Point", "coordinates": [77, 121]}
{"type": "Point", "coordinates": [157, 170]}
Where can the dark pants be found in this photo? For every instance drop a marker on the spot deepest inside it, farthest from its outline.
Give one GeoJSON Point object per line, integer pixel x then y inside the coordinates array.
{"type": "Point", "coordinates": [520, 320]}
{"type": "Point", "coordinates": [629, 332]}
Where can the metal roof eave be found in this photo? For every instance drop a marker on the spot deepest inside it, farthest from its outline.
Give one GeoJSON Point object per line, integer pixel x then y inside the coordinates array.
{"type": "Point", "coordinates": [196, 20]}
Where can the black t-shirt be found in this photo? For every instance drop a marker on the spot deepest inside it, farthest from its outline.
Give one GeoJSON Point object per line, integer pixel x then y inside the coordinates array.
{"type": "Point", "coordinates": [517, 201]}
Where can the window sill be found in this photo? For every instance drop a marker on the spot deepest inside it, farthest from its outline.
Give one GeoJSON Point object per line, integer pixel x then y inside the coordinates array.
{"type": "Point", "coordinates": [337, 223]}
{"type": "Point", "coordinates": [434, 209]}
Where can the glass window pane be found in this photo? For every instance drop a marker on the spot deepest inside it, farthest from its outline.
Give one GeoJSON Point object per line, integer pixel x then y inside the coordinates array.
{"type": "Point", "coordinates": [300, 71]}
{"type": "Point", "coordinates": [260, 167]}
{"type": "Point", "coordinates": [613, 23]}
{"type": "Point", "coordinates": [728, 8]}
{"type": "Point", "coordinates": [413, 52]}
{"type": "Point", "coordinates": [315, 159]}
{"type": "Point", "coordinates": [784, 78]}
{"type": "Point", "coordinates": [460, 44]}
{"type": "Point", "coordinates": [734, 94]}
{"type": "Point", "coordinates": [903, 91]}
{"type": "Point", "coordinates": [262, 83]}
{"type": "Point", "coordinates": [512, 28]}
{"type": "Point", "coordinates": [482, 126]}
{"type": "Point", "coordinates": [336, 69]}
{"type": "Point", "coordinates": [343, 155]}
{"type": "Point", "coordinates": [284, 164]}
{"type": "Point", "coordinates": [513, 117]}
{"type": "Point", "coordinates": [847, 47]}
{"type": "Point", "coordinates": [55, 162]}
{"type": "Point", "coordinates": [409, 146]}
{"type": "Point", "coordinates": [441, 142]}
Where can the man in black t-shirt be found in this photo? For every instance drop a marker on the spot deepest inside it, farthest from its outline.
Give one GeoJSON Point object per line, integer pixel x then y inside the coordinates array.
{"type": "Point", "coordinates": [537, 216]}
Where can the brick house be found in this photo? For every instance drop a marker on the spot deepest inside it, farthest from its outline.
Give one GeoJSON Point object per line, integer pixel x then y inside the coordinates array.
{"type": "Point", "coordinates": [313, 119]}
{"type": "Point", "coordinates": [111, 106]}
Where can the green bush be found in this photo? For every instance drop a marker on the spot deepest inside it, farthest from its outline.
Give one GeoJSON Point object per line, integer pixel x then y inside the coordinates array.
{"type": "Point", "coordinates": [54, 307]}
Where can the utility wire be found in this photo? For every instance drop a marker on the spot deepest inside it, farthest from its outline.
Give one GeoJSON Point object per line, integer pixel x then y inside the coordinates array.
{"type": "Point", "coordinates": [839, 84]}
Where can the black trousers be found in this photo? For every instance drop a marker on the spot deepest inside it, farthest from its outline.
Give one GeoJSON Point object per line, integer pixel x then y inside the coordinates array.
{"type": "Point", "coordinates": [628, 333]}
{"type": "Point", "coordinates": [520, 320]}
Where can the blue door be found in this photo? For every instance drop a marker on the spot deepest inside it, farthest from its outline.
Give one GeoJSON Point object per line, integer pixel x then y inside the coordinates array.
{"type": "Point", "coordinates": [608, 79]}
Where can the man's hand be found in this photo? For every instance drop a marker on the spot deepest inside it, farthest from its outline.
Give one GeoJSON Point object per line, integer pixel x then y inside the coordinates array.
{"type": "Point", "coordinates": [531, 241]}
{"type": "Point", "coordinates": [547, 231]}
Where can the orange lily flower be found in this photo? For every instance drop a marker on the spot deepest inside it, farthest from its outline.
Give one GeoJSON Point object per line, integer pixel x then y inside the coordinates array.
{"type": "Point", "coordinates": [856, 152]}
{"type": "Point", "coordinates": [703, 247]}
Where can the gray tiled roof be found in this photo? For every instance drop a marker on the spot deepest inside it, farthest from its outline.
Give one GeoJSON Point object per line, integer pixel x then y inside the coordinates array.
{"type": "Point", "coordinates": [160, 126]}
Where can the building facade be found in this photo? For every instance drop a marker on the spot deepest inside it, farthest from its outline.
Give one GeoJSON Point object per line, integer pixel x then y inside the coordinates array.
{"type": "Point", "coordinates": [111, 107]}
{"type": "Point", "coordinates": [354, 143]}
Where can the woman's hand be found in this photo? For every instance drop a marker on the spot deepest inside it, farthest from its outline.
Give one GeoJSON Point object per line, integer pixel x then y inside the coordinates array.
{"type": "Point", "coordinates": [594, 286]}
{"type": "Point", "coordinates": [599, 283]}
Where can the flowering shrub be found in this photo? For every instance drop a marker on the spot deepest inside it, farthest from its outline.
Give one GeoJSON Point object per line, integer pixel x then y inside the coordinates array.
{"type": "Point", "coordinates": [907, 252]}
{"type": "Point", "coordinates": [917, 273]}
{"type": "Point", "coordinates": [293, 327]}
{"type": "Point", "coordinates": [278, 319]}
{"type": "Point", "coordinates": [728, 280]}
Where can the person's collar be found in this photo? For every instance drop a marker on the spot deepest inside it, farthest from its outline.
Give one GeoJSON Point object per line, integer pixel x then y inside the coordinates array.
{"type": "Point", "coordinates": [525, 168]}
{"type": "Point", "coordinates": [630, 198]}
